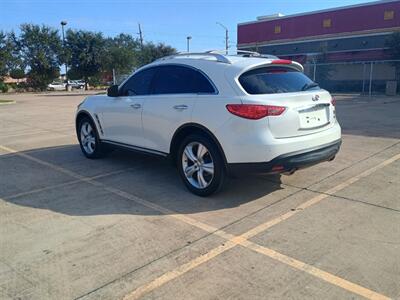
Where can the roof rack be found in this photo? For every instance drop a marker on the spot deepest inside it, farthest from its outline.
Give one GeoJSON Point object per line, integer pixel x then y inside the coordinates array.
{"type": "Point", "coordinates": [238, 52]}
{"type": "Point", "coordinates": [256, 54]}
{"type": "Point", "coordinates": [252, 53]}
{"type": "Point", "coordinates": [219, 57]}
{"type": "Point", "coordinates": [246, 53]}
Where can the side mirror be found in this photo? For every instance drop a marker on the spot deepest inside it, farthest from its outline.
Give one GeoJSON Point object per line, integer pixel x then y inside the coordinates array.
{"type": "Point", "coordinates": [112, 91]}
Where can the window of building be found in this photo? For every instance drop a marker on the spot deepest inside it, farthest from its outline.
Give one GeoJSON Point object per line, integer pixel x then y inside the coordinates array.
{"type": "Point", "coordinates": [388, 15]}
{"type": "Point", "coordinates": [327, 23]}
{"type": "Point", "coordinates": [278, 29]}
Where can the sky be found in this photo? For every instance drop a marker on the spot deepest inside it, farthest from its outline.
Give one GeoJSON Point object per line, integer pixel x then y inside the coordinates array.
{"type": "Point", "coordinates": [169, 22]}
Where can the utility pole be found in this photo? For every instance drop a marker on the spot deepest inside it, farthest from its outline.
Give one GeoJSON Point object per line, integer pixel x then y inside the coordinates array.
{"type": "Point", "coordinates": [226, 36]}
{"type": "Point", "coordinates": [140, 36]}
{"type": "Point", "coordinates": [188, 38]}
{"type": "Point", "coordinates": [63, 23]}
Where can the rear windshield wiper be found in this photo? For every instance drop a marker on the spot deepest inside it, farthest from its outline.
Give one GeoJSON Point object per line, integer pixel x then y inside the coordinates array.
{"type": "Point", "coordinates": [308, 86]}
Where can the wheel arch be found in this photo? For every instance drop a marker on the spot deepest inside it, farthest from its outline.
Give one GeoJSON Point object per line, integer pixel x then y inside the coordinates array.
{"type": "Point", "coordinates": [82, 114]}
{"type": "Point", "coordinates": [190, 128]}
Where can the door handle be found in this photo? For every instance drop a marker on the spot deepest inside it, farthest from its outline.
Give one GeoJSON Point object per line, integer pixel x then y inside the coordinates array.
{"type": "Point", "coordinates": [136, 106]}
{"type": "Point", "coordinates": [181, 107]}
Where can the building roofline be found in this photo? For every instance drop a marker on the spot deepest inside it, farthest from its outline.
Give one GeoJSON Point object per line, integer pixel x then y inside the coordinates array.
{"type": "Point", "coordinates": [320, 11]}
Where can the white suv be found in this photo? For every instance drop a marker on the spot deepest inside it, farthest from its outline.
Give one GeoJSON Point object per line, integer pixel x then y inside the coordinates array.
{"type": "Point", "coordinates": [214, 114]}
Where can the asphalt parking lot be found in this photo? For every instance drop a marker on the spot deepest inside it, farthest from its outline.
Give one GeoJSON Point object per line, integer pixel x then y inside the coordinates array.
{"type": "Point", "coordinates": [125, 227]}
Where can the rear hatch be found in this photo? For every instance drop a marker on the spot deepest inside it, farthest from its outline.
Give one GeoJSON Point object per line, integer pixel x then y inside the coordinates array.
{"type": "Point", "coordinates": [308, 108]}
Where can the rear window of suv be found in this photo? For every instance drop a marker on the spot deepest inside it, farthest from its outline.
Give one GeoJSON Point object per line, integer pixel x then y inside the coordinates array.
{"type": "Point", "coordinates": [274, 80]}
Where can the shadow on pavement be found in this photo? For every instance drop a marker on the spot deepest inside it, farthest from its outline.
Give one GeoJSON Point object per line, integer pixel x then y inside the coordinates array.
{"type": "Point", "coordinates": [150, 178]}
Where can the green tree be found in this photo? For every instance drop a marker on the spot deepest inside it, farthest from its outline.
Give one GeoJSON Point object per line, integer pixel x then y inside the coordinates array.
{"type": "Point", "coordinates": [17, 73]}
{"type": "Point", "coordinates": [121, 54]}
{"type": "Point", "coordinates": [16, 63]}
{"type": "Point", "coordinates": [150, 52]}
{"type": "Point", "coordinates": [393, 43]}
{"type": "Point", "coordinates": [40, 48]}
{"type": "Point", "coordinates": [86, 50]}
{"type": "Point", "coordinates": [5, 55]}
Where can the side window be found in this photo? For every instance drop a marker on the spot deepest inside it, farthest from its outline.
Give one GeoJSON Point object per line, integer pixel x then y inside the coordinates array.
{"type": "Point", "coordinates": [138, 84]}
{"type": "Point", "coordinates": [180, 80]}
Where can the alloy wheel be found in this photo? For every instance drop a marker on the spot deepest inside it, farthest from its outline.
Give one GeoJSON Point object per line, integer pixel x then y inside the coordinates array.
{"type": "Point", "coordinates": [88, 138]}
{"type": "Point", "coordinates": [198, 165]}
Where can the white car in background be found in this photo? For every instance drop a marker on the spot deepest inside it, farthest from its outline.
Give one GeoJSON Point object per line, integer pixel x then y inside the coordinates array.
{"type": "Point", "coordinates": [57, 86]}
{"type": "Point", "coordinates": [214, 114]}
{"type": "Point", "coordinates": [76, 84]}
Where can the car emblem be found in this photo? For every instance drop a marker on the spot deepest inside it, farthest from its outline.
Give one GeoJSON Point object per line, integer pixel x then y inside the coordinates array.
{"type": "Point", "coordinates": [315, 98]}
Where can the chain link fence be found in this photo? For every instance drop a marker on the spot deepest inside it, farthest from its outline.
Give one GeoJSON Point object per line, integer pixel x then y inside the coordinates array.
{"type": "Point", "coordinates": [118, 78]}
{"type": "Point", "coordinates": [368, 77]}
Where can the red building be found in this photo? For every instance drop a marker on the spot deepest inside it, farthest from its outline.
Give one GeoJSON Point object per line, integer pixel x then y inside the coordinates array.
{"type": "Point", "coordinates": [350, 33]}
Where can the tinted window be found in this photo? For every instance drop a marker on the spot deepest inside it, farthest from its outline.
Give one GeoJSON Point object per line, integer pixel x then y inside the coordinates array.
{"type": "Point", "coordinates": [139, 84]}
{"type": "Point", "coordinates": [180, 80]}
{"type": "Point", "coordinates": [273, 80]}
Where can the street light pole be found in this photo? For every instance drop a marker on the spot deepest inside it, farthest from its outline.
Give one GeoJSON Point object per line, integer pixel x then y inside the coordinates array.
{"type": "Point", "coordinates": [63, 23]}
{"type": "Point", "coordinates": [188, 38]}
{"type": "Point", "coordinates": [226, 36]}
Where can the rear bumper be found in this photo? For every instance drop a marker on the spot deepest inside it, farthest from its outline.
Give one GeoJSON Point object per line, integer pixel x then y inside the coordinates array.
{"type": "Point", "coordinates": [289, 162]}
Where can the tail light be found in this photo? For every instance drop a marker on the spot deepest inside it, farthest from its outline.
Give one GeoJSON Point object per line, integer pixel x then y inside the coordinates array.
{"type": "Point", "coordinates": [333, 101]}
{"type": "Point", "coordinates": [254, 111]}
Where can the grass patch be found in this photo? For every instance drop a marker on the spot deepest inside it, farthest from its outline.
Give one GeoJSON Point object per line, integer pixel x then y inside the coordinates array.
{"type": "Point", "coordinates": [6, 101]}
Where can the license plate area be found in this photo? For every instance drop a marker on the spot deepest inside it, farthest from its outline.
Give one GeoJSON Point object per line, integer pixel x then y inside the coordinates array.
{"type": "Point", "coordinates": [314, 117]}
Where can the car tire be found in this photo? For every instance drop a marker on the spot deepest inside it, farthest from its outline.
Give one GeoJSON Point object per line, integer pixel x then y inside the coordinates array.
{"type": "Point", "coordinates": [89, 141]}
{"type": "Point", "coordinates": [201, 165]}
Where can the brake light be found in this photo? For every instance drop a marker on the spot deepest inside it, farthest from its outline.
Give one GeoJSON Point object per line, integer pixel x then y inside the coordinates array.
{"type": "Point", "coordinates": [281, 62]}
{"type": "Point", "coordinates": [333, 101]}
{"type": "Point", "coordinates": [254, 111]}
